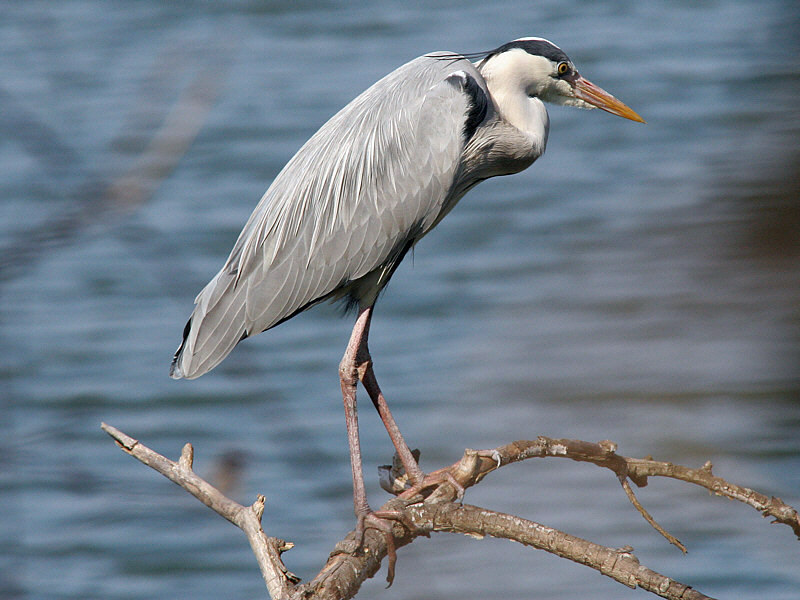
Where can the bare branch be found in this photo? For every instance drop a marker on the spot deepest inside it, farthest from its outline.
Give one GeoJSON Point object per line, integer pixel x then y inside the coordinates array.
{"type": "Point", "coordinates": [603, 454]}
{"type": "Point", "coordinates": [433, 506]}
{"type": "Point", "coordinates": [619, 564]}
{"type": "Point", "coordinates": [345, 571]}
{"type": "Point", "coordinates": [647, 517]}
{"type": "Point", "coordinates": [266, 549]}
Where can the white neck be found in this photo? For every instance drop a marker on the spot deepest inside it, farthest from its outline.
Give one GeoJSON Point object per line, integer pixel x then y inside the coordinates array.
{"type": "Point", "coordinates": [526, 113]}
{"type": "Point", "coordinates": [511, 78]}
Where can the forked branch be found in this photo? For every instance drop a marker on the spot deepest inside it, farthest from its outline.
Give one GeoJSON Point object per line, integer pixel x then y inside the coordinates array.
{"type": "Point", "coordinates": [603, 454]}
{"type": "Point", "coordinates": [437, 508]}
{"type": "Point", "coordinates": [248, 518]}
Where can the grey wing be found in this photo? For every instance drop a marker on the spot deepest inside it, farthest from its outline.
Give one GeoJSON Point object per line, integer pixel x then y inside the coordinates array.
{"type": "Point", "coordinates": [346, 207]}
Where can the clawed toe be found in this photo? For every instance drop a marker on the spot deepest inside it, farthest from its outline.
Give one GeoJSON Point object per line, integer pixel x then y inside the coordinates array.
{"type": "Point", "coordinates": [458, 487]}
{"type": "Point", "coordinates": [436, 480]}
{"type": "Point", "coordinates": [382, 521]}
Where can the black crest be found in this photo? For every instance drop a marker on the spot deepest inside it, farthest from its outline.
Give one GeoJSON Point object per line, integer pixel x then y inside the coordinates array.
{"type": "Point", "coordinates": [537, 47]}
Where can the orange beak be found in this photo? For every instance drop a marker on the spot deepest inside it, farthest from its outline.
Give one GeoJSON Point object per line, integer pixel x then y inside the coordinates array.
{"type": "Point", "coordinates": [596, 96]}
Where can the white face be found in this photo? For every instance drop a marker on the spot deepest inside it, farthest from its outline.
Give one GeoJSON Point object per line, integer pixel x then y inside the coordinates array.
{"type": "Point", "coordinates": [516, 73]}
{"type": "Point", "coordinates": [561, 92]}
{"type": "Point", "coordinates": [559, 88]}
{"type": "Point", "coordinates": [534, 75]}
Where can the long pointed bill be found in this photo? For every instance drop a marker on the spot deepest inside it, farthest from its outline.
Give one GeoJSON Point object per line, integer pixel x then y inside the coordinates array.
{"type": "Point", "coordinates": [596, 96]}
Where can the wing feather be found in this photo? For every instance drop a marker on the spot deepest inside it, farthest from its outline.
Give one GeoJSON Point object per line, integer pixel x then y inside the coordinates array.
{"type": "Point", "coordinates": [343, 211]}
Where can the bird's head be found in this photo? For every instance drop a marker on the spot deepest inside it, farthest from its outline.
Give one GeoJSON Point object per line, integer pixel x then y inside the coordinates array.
{"type": "Point", "coordinates": [542, 70]}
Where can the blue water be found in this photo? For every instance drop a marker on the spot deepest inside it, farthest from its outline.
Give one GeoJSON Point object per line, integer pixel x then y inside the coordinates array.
{"type": "Point", "coordinates": [638, 283]}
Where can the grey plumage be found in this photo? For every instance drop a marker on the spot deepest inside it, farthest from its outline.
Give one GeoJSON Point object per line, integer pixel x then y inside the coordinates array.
{"type": "Point", "coordinates": [365, 188]}
{"type": "Point", "coordinates": [372, 181]}
{"type": "Point", "coordinates": [344, 211]}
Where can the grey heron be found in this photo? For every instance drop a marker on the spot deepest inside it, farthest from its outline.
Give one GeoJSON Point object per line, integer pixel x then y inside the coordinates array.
{"type": "Point", "coordinates": [364, 189]}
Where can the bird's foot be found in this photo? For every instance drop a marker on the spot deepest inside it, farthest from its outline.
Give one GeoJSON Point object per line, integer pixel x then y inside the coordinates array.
{"type": "Point", "coordinates": [448, 484]}
{"type": "Point", "coordinates": [434, 483]}
{"type": "Point", "coordinates": [382, 521]}
{"type": "Point", "coordinates": [395, 480]}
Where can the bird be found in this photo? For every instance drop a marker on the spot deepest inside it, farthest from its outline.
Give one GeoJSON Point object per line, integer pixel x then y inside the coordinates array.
{"type": "Point", "coordinates": [346, 209]}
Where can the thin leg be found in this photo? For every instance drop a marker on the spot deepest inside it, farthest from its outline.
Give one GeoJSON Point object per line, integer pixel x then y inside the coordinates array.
{"type": "Point", "coordinates": [356, 366]}
{"type": "Point", "coordinates": [367, 376]}
{"type": "Point", "coordinates": [413, 471]}
{"type": "Point", "coordinates": [348, 375]}
{"type": "Point", "coordinates": [350, 371]}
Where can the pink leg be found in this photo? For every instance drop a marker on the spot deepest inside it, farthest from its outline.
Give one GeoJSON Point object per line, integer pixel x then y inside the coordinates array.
{"type": "Point", "coordinates": [354, 366]}
{"type": "Point", "coordinates": [349, 376]}
{"type": "Point", "coordinates": [370, 382]}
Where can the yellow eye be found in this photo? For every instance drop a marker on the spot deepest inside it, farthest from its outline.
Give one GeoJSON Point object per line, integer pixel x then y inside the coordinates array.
{"type": "Point", "coordinates": [563, 68]}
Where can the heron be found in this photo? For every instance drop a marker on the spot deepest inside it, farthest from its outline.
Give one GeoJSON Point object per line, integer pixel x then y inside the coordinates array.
{"type": "Point", "coordinates": [364, 189]}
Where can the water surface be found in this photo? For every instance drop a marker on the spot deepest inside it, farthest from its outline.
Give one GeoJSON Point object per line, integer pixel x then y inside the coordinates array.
{"type": "Point", "coordinates": [638, 283]}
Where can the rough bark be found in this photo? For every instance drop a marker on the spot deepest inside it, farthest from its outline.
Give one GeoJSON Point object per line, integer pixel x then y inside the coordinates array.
{"type": "Point", "coordinates": [434, 506]}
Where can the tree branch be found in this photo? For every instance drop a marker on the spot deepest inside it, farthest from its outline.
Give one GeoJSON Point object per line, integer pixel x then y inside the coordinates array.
{"type": "Point", "coordinates": [603, 454]}
{"type": "Point", "coordinates": [619, 564]}
{"type": "Point", "coordinates": [433, 506]}
{"type": "Point", "coordinates": [247, 518]}
{"type": "Point", "coordinates": [344, 572]}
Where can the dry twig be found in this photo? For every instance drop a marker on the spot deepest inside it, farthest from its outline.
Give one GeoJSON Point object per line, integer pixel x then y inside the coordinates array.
{"type": "Point", "coordinates": [603, 454]}
{"type": "Point", "coordinates": [437, 509]}
{"type": "Point", "coordinates": [247, 518]}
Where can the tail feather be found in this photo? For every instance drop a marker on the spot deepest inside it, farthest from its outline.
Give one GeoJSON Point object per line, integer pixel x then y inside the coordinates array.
{"type": "Point", "coordinates": [175, 370]}
{"type": "Point", "coordinates": [217, 324]}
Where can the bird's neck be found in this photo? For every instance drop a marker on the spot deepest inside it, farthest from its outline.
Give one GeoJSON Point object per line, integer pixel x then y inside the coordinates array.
{"type": "Point", "coordinates": [515, 80]}
{"type": "Point", "coordinates": [526, 113]}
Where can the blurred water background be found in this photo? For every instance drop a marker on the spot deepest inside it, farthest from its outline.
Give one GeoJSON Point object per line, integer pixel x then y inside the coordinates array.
{"type": "Point", "coordinates": [638, 283]}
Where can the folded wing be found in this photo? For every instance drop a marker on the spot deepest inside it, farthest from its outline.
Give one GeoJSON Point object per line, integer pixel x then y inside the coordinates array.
{"type": "Point", "coordinates": [345, 209]}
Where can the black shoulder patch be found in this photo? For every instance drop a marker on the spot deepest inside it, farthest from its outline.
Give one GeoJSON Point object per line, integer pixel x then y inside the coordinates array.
{"type": "Point", "coordinates": [478, 102]}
